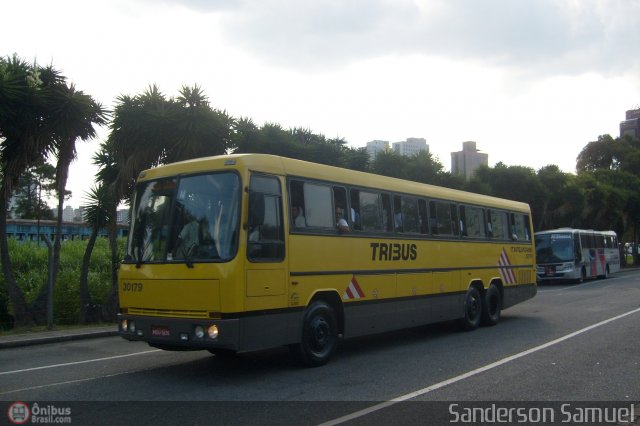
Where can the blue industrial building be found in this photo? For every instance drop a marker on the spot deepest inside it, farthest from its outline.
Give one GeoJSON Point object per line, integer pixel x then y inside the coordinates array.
{"type": "Point", "coordinates": [28, 230]}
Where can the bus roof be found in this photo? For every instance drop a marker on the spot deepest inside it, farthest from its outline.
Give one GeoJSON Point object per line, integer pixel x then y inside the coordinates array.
{"type": "Point", "coordinates": [290, 167]}
{"type": "Point", "coordinates": [574, 230]}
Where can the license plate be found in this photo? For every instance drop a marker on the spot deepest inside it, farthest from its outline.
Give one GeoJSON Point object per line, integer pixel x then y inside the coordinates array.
{"type": "Point", "coordinates": [160, 331]}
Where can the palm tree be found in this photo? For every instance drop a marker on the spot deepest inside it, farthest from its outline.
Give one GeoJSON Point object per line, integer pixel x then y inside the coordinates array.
{"type": "Point", "coordinates": [97, 214]}
{"type": "Point", "coordinates": [148, 130]}
{"type": "Point", "coordinates": [25, 140]}
{"type": "Point", "coordinates": [73, 115]}
{"type": "Point", "coordinates": [108, 178]}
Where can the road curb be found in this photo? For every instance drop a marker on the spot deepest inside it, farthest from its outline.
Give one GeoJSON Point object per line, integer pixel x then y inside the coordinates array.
{"type": "Point", "coordinates": [39, 340]}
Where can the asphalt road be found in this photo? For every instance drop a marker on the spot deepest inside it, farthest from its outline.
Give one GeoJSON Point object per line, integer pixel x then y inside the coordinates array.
{"type": "Point", "coordinates": [573, 344]}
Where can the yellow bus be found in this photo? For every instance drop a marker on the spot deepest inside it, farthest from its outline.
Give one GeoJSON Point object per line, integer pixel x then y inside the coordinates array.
{"type": "Point", "coordinates": [239, 253]}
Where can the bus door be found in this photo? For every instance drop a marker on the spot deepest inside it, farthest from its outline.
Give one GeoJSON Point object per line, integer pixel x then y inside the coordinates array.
{"type": "Point", "coordinates": [265, 272]}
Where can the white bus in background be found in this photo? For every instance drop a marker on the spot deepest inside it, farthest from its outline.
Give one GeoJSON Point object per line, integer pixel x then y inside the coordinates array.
{"type": "Point", "coordinates": [576, 254]}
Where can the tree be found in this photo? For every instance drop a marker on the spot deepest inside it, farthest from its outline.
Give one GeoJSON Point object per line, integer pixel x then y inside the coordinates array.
{"type": "Point", "coordinates": [26, 138]}
{"type": "Point", "coordinates": [39, 115]}
{"type": "Point", "coordinates": [97, 215]}
{"type": "Point", "coordinates": [563, 201]}
{"type": "Point", "coordinates": [73, 116]}
{"type": "Point", "coordinates": [33, 186]}
{"type": "Point", "coordinates": [422, 167]}
{"type": "Point", "coordinates": [108, 177]}
{"type": "Point", "coordinates": [150, 129]}
{"type": "Point", "coordinates": [516, 183]}
{"type": "Point", "coordinates": [390, 163]}
{"type": "Point", "coordinates": [609, 169]}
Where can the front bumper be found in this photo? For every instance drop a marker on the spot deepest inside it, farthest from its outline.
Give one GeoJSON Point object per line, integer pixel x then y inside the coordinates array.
{"type": "Point", "coordinates": [179, 333]}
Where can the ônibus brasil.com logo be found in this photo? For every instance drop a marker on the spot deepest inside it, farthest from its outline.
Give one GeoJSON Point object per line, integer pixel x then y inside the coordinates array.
{"type": "Point", "coordinates": [19, 413]}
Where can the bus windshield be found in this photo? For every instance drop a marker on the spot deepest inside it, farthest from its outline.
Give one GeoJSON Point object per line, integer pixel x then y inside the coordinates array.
{"type": "Point", "coordinates": [554, 248]}
{"type": "Point", "coordinates": [189, 218]}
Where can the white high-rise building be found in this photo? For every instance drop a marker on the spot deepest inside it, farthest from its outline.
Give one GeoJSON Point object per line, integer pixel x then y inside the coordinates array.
{"type": "Point", "coordinates": [68, 214]}
{"type": "Point", "coordinates": [374, 147]}
{"type": "Point", "coordinates": [411, 146]}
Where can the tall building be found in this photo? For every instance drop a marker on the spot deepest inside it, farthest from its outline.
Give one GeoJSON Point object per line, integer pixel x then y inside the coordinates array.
{"type": "Point", "coordinates": [374, 147]}
{"type": "Point", "coordinates": [411, 146]}
{"type": "Point", "coordinates": [631, 126]}
{"type": "Point", "coordinates": [68, 214]}
{"type": "Point", "coordinates": [122, 216]}
{"type": "Point", "coordinates": [467, 161]}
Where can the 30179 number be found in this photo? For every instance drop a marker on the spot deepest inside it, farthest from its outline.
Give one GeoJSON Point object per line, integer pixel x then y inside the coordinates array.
{"type": "Point", "coordinates": [134, 287]}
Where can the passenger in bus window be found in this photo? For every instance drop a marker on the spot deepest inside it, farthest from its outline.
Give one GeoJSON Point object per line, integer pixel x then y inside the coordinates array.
{"type": "Point", "coordinates": [188, 239]}
{"type": "Point", "coordinates": [297, 217]}
{"type": "Point", "coordinates": [341, 222]}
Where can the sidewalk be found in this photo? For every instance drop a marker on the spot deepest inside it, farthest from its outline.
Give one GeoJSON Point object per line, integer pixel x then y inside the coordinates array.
{"type": "Point", "coordinates": [40, 337]}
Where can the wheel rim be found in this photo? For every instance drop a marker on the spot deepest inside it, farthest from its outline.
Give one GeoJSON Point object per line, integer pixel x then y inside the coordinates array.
{"type": "Point", "coordinates": [473, 307]}
{"type": "Point", "coordinates": [319, 335]}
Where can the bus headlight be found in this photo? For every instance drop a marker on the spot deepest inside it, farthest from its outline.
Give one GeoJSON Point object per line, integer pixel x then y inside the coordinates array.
{"type": "Point", "coordinates": [124, 325]}
{"type": "Point", "coordinates": [199, 331]}
{"type": "Point", "coordinates": [212, 331]}
{"type": "Point", "coordinates": [132, 327]}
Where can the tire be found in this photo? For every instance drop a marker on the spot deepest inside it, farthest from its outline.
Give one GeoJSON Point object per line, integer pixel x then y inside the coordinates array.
{"type": "Point", "coordinates": [472, 309]}
{"type": "Point", "coordinates": [491, 306]}
{"type": "Point", "coordinates": [319, 338]}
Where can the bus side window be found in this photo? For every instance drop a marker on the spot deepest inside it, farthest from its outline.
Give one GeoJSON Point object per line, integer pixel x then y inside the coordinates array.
{"type": "Point", "coordinates": [340, 201]}
{"type": "Point", "coordinates": [454, 220]}
{"type": "Point", "coordinates": [266, 233]}
{"type": "Point", "coordinates": [441, 217]}
{"type": "Point", "coordinates": [318, 203]}
{"type": "Point", "coordinates": [297, 207]}
{"type": "Point", "coordinates": [387, 215]}
{"type": "Point", "coordinates": [424, 216]}
{"type": "Point", "coordinates": [473, 221]}
{"type": "Point", "coordinates": [520, 227]}
{"type": "Point", "coordinates": [433, 221]}
{"type": "Point", "coordinates": [371, 211]}
{"type": "Point", "coordinates": [463, 223]}
{"type": "Point", "coordinates": [397, 214]}
{"type": "Point", "coordinates": [410, 215]}
{"type": "Point", "coordinates": [355, 210]}
{"type": "Point", "coordinates": [576, 247]}
{"type": "Point", "coordinates": [499, 225]}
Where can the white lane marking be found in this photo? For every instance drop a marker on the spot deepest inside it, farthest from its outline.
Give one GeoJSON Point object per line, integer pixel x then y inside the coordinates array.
{"type": "Point", "coordinates": [578, 286]}
{"type": "Point", "coordinates": [88, 379]}
{"type": "Point", "coordinates": [44, 367]}
{"type": "Point", "coordinates": [471, 373]}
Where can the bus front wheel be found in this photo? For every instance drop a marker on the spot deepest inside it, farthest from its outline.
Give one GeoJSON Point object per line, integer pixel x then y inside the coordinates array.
{"type": "Point", "coordinates": [319, 335]}
{"type": "Point", "coordinates": [472, 309]}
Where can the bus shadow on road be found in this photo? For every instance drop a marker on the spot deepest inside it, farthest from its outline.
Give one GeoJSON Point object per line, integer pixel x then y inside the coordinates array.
{"type": "Point", "coordinates": [444, 335]}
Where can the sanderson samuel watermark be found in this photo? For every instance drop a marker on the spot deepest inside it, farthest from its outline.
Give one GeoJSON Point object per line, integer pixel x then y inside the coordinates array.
{"type": "Point", "coordinates": [565, 414]}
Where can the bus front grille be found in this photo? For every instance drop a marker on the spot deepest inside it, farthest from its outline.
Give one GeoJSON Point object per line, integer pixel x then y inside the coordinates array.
{"type": "Point", "coordinates": [151, 312]}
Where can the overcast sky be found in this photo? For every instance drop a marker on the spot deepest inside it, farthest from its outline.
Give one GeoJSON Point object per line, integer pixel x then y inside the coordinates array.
{"type": "Point", "coordinates": [531, 81]}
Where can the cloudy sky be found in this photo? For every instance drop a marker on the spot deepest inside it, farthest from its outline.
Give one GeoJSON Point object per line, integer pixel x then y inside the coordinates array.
{"type": "Point", "coordinates": [531, 81]}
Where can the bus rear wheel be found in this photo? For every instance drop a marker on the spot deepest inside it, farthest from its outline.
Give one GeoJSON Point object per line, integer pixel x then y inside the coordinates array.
{"type": "Point", "coordinates": [491, 306]}
{"type": "Point", "coordinates": [319, 335]}
{"type": "Point", "coordinates": [472, 309]}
